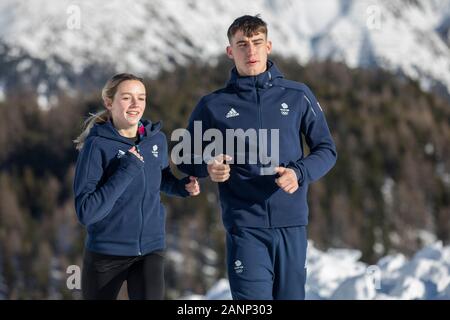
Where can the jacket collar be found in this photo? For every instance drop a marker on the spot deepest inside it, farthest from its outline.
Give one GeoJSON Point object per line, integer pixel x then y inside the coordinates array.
{"type": "Point", "coordinates": [107, 130]}
{"type": "Point", "coordinates": [263, 80]}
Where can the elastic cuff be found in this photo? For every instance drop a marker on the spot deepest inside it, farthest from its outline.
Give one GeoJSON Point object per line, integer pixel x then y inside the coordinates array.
{"type": "Point", "coordinates": [297, 172]}
{"type": "Point", "coordinates": [132, 164]}
{"type": "Point", "coordinates": [183, 182]}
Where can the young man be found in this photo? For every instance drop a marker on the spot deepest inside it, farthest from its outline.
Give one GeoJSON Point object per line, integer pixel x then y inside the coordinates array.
{"type": "Point", "coordinates": [264, 210]}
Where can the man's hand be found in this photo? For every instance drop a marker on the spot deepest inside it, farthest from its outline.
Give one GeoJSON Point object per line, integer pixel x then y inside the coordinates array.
{"type": "Point", "coordinates": [218, 170]}
{"type": "Point", "coordinates": [193, 187]}
{"type": "Point", "coordinates": [287, 180]}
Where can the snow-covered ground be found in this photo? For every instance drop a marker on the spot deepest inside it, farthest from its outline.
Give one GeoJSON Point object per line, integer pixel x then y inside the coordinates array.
{"type": "Point", "coordinates": [338, 274]}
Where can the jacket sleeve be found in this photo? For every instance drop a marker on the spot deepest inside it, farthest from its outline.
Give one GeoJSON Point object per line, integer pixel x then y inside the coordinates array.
{"type": "Point", "coordinates": [95, 199]}
{"type": "Point", "coordinates": [170, 184]}
{"type": "Point", "coordinates": [193, 163]}
{"type": "Point", "coordinates": [173, 186]}
{"type": "Point", "coordinates": [323, 153]}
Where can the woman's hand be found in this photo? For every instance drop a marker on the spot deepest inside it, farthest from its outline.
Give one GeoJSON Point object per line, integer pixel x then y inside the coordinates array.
{"type": "Point", "coordinates": [134, 151]}
{"type": "Point", "coordinates": [193, 187]}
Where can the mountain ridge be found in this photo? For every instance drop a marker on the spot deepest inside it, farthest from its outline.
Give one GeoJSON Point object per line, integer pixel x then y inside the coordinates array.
{"type": "Point", "coordinates": [48, 44]}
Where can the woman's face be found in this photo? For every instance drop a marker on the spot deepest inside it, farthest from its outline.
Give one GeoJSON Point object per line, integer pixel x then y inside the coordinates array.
{"type": "Point", "coordinates": [128, 104]}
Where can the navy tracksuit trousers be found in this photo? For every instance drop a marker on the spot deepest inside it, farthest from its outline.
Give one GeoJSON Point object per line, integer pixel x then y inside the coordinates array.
{"type": "Point", "coordinates": [267, 263]}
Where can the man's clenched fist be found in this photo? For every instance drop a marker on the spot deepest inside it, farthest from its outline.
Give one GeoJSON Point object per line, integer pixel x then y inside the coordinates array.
{"type": "Point", "coordinates": [218, 169]}
{"type": "Point", "coordinates": [287, 180]}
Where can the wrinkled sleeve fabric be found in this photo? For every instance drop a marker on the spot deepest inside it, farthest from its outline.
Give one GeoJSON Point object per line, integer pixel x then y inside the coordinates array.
{"type": "Point", "coordinates": [93, 202]}
{"type": "Point", "coordinates": [323, 153]}
{"type": "Point", "coordinates": [170, 184]}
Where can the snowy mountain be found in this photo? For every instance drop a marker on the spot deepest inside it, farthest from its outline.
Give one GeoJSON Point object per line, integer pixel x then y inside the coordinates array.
{"type": "Point", "coordinates": [50, 44]}
{"type": "Point", "coordinates": [337, 274]}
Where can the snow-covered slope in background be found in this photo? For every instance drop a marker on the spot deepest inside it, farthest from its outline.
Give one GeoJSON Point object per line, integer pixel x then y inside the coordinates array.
{"type": "Point", "coordinates": [337, 274]}
{"type": "Point", "coordinates": [48, 43]}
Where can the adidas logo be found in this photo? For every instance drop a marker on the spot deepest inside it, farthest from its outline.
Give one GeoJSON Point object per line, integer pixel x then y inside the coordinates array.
{"type": "Point", "coordinates": [232, 113]}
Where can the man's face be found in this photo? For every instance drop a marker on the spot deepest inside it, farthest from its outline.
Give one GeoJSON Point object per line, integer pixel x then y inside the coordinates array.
{"type": "Point", "coordinates": [249, 53]}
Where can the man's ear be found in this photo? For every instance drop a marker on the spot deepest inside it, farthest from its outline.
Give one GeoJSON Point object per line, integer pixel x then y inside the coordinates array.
{"type": "Point", "coordinates": [269, 47]}
{"type": "Point", "coordinates": [230, 52]}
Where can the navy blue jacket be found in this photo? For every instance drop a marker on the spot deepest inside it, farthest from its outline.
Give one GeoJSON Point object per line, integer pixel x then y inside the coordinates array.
{"type": "Point", "coordinates": [266, 101]}
{"type": "Point", "coordinates": [117, 196]}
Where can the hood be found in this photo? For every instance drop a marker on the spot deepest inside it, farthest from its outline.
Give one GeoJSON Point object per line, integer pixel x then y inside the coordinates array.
{"type": "Point", "coordinates": [108, 131]}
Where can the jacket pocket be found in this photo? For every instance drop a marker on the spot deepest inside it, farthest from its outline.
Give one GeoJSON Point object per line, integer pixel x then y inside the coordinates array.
{"type": "Point", "coordinates": [289, 209]}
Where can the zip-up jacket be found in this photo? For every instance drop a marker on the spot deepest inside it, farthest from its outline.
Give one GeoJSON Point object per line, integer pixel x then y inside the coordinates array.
{"type": "Point", "coordinates": [267, 101]}
{"type": "Point", "coordinates": [117, 196]}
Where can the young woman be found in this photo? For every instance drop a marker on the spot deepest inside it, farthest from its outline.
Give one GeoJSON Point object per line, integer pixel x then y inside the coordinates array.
{"type": "Point", "coordinates": [122, 166]}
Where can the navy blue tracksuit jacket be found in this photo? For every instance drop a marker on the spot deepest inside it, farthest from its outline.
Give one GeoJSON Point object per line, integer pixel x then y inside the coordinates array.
{"type": "Point", "coordinates": [266, 227]}
{"type": "Point", "coordinates": [117, 196]}
{"type": "Point", "coordinates": [267, 101]}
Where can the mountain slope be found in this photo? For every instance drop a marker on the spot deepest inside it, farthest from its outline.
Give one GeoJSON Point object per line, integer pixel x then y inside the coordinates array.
{"type": "Point", "coordinates": [50, 44]}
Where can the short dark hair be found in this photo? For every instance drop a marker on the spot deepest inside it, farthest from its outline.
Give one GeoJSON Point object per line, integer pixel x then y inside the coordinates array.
{"type": "Point", "coordinates": [249, 25]}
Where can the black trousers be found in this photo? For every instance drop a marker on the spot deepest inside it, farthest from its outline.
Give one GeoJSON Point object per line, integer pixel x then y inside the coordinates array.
{"type": "Point", "coordinates": [103, 276]}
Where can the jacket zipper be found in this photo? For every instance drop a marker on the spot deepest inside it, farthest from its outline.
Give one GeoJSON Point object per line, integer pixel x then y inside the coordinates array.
{"type": "Point", "coordinates": [258, 102]}
{"type": "Point", "coordinates": [142, 211]}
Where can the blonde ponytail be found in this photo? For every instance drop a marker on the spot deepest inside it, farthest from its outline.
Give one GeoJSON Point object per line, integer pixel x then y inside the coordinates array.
{"type": "Point", "coordinates": [99, 117]}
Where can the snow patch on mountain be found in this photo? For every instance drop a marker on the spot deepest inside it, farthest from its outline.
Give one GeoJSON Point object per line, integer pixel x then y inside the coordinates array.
{"type": "Point", "coordinates": [57, 41]}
